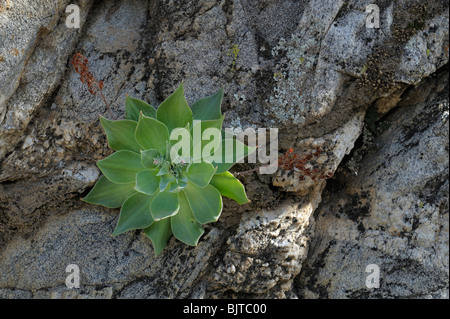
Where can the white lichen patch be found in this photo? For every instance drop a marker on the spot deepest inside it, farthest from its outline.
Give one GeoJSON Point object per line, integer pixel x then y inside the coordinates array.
{"type": "Point", "coordinates": [29, 141]}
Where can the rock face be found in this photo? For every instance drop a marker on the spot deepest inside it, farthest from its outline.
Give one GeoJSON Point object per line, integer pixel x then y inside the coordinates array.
{"type": "Point", "coordinates": [312, 69]}
{"type": "Point", "coordinates": [394, 213]}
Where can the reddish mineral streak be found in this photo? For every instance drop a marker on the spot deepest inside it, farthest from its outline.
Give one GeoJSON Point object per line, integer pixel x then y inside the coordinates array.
{"type": "Point", "coordinates": [81, 66]}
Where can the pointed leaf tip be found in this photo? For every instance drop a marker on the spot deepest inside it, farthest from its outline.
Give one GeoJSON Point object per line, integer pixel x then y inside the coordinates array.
{"type": "Point", "coordinates": [108, 194]}
{"type": "Point", "coordinates": [151, 134]}
{"type": "Point", "coordinates": [208, 108]}
{"type": "Point", "coordinates": [206, 203]}
{"type": "Point", "coordinates": [229, 186]}
{"type": "Point", "coordinates": [174, 111]}
{"type": "Point", "coordinates": [120, 134]}
{"type": "Point", "coordinates": [135, 214]}
{"type": "Point", "coordinates": [133, 107]}
{"type": "Point", "coordinates": [159, 233]}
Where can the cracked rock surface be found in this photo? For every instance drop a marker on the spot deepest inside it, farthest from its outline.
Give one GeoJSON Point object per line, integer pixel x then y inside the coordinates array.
{"type": "Point", "coordinates": [374, 101]}
{"type": "Point", "coordinates": [394, 213]}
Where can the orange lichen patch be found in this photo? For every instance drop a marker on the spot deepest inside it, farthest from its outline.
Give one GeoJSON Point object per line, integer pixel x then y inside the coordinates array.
{"type": "Point", "coordinates": [303, 164]}
{"type": "Point", "coordinates": [2, 58]}
{"type": "Point", "coordinates": [14, 52]}
{"type": "Point", "coordinates": [81, 65]}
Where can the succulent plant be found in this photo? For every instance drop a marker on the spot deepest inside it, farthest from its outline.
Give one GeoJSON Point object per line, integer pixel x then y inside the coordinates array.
{"type": "Point", "coordinates": [166, 185]}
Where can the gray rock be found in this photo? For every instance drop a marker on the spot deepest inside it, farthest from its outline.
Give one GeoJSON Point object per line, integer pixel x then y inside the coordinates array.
{"type": "Point", "coordinates": [394, 214]}
{"type": "Point", "coordinates": [267, 251]}
{"type": "Point", "coordinates": [39, 43]}
{"type": "Point", "coordinates": [118, 267]}
{"type": "Point", "coordinates": [310, 68]}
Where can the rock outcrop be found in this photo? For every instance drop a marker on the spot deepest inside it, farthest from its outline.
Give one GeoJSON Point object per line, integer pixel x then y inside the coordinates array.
{"type": "Point", "coordinates": [311, 68]}
{"type": "Point", "coordinates": [393, 213]}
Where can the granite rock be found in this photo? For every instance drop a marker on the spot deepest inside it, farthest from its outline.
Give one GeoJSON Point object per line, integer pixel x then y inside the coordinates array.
{"type": "Point", "coordinates": [310, 68]}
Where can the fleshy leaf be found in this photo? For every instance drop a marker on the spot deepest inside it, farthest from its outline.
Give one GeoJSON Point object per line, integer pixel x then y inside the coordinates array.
{"type": "Point", "coordinates": [151, 134]}
{"type": "Point", "coordinates": [120, 134]}
{"type": "Point", "coordinates": [166, 179]}
{"type": "Point", "coordinates": [135, 214]}
{"type": "Point", "coordinates": [148, 157]}
{"type": "Point", "coordinates": [208, 108]}
{"type": "Point", "coordinates": [175, 112]}
{"type": "Point", "coordinates": [121, 167]}
{"type": "Point", "coordinates": [200, 173]}
{"type": "Point", "coordinates": [183, 224]}
{"type": "Point", "coordinates": [198, 143]}
{"type": "Point", "coordinates": [206, 203]}
{"type": "Point", "coordinates": [164, 205]}
{"type": "Point", "coordinates": [181, 141]}
{"type": "Point", "coordinates": [109, 194]}
{"type": "Point", "coordinates": [175, 187]}
{"type": "Point", "coordinates": [163, 170]}
{"type": "Point", "coordinates": [168, 186]}
{"type": "Point", "coordinates": [230, 186]}
{"type": "Point", "coordinates": [147, 182]}
{"type": "Point", "coordinates": [159, 233]}
{"type": "Point", "coordinates": [134, 106]}
{"type": "Point", "coordinates": [229, 154]}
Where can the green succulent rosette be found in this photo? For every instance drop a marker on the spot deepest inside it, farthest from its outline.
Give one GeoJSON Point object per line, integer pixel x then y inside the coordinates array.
{"type": "Point", "coordinates": [164, 185]}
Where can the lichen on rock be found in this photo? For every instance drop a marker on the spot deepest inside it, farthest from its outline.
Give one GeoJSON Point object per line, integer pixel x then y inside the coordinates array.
{"type": "Point", "coordinates": [309, 68]}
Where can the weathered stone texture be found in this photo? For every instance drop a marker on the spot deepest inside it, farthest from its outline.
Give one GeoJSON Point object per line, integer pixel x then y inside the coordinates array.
{"type": "Point", "coordinates": [310, 68]}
